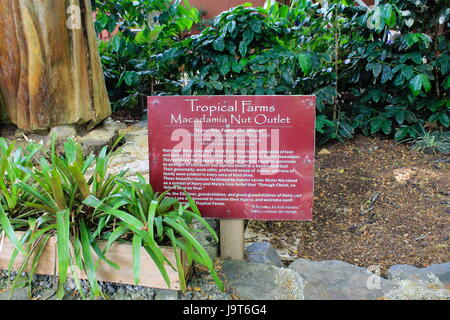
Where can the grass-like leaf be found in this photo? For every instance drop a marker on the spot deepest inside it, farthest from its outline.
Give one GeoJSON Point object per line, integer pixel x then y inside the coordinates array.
{"type": "Point", "coordinates": [88, 260]}
{"type": "Point", "coordinates": [137, 244]}
{"type": "Point", "coordinates": [63, 245]}
{"type": "Point", "coordinates": [9, 231]}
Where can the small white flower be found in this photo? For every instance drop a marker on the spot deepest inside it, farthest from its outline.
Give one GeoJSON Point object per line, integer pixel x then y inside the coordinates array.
{"type": "Point", "coordinates": [406, 13]}
{"type": "Point", "coordinates": [441, 20]}
{"type": "Point", "coordinates": [329, 69]}
{"type": "Point", "coordinates": [347, 61]}
{"type": "Point", "coordinates": [424, 60]}
{"type": "Point", "coordinates": [409, 22]}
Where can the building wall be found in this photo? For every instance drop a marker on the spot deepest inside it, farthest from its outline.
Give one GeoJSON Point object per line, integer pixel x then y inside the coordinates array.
{"type": "Point", "coordinates": [214, 7]}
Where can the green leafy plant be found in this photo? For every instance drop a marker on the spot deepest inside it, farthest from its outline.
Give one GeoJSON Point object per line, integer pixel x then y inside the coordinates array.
{"type": "Point", "coordinates": [246, 51]}
{"type": "Point", "coordinates": [146, 28]}
{"type": "Point", "coordinates": [430, 142]}
{"type": "Point", "coordinates": [73, 198]}
{"type": "Point", "coordinates": [10, 159]}
{"type": "Point", "coordinates": [154, 217]}
{"type": "Point", "coordinates": [379, 70]}
{"type": "Point", "coordinates": [373, 70]}
{"type": "Point", "coordinates": [398, 66]}
{"type": "Point", "coordinates": [55, 196]}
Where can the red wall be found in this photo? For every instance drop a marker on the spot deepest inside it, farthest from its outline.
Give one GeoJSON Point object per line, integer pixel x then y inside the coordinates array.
{"type": "Point", "coordinates": [214, 7]}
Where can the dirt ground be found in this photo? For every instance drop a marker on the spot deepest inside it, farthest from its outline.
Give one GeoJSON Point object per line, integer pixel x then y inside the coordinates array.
{"type": "Point", "coordinates": [128, 116]}
{"type": "Point", "coordinates": [376, 203]}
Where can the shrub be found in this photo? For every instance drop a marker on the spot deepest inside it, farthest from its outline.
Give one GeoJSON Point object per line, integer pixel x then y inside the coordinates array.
{"type": "Point", "coordinates": [399, 83]}
{"type": "Point", "coordinates": [146, 27]}
{"type": "Point", "coordinates": [74, 198]}
{"type": "Point", "coordinates": [362, 81]}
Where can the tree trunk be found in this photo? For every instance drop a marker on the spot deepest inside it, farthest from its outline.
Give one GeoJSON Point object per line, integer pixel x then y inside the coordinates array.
{"type": "Point", "coordinates": [50, 70]}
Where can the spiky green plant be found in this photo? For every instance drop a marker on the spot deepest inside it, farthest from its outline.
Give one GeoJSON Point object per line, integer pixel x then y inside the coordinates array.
{"type": "Point", "coordinates": [73, 198]}
{"type": "Point", "coordinates": [57, 190]}
{"type": "Point", "coordinates": [155, 218]}
{"type": "Point", "coordinates": [10, 159]}
{"type": "Point", "coordinates": [430, 142]}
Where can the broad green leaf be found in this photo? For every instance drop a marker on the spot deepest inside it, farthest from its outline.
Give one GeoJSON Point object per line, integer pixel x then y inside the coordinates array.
{"type": "Point", "coordinates": [256, 26]}
{"type": "Point", "coordinates": [446, 84]}
{"type": "Point", "coordinates": [389, 15]}
{"type": "Point", "coordinates": [305, 62]}
{"type": "Point", "coordinates": [444, 119]}
{"type": "Point", "coordinates": [387, 74]}
{"type": "Point", "coordinates": [425, 82]}
{"type": "Point", "coordinates": [243, 48]}
{"type": "Point", "coordinates": [248, 36]}
{"type": "Point", "coordinates": [400, 116]}
{"type": "Point", "coordinates": [225, 68]}
{"type": "Point", "coordinates": [415, 84]}
{"type": "Point", "coordinates": [116, 43]}
{"type": "Point", "coordinates": [387, 126]}
{"type": "Point", "coordinates": [219, 44]}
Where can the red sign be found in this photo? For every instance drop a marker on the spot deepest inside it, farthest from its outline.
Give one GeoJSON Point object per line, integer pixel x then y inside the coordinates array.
{"type": "Point", "coordinates": [240, 157]}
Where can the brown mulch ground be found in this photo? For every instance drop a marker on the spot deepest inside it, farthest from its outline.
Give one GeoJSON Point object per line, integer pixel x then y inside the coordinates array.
{"type": "Point", "coordinates": [128, 116]}
{"type": "Point", "coordinates": [377, 203]}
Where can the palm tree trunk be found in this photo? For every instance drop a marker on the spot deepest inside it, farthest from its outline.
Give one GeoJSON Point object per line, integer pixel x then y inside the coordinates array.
{"type": "Point", "coordinates": [50, 70]}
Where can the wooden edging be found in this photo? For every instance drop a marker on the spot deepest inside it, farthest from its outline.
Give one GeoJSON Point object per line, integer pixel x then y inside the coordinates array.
{"type": "Point", "coordinates": [119, 253]}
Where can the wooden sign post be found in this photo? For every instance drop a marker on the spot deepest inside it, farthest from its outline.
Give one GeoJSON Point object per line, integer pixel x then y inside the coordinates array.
{"type": "Point", "coordinates": [232, 239]}
{"type": "Point", "coordinates": [240, 157]}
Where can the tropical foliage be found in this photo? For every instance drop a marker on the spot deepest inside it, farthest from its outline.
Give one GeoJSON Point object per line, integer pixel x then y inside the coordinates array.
{"type": "Point", "coordinates": [75, 199]}
{"type": "Point", "coordinates": [373, 70]}
{"type": "Point", "coordinates": [146, 27]}
{"type": "Point", "coordinates": [383, 70]}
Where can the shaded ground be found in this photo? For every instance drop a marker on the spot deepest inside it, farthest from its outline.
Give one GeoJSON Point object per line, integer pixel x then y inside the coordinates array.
{"type": "Point", "coordinates": [377, 203]}
{"type": "Point", "coordinates": [128, 116]}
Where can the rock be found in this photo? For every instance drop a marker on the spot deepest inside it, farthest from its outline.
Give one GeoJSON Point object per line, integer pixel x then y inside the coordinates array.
{"type": "Point", "coordinates": [207, 289]}
{"type": "Point", "coordinates": [338, 280]}
{"type": "Point", "coordinates": [46, 294]}
{"type": "Point", "coordinates": [133, 155]}
{"type": "Point", "coordinates": [104, 135]}
{"type": "Point", "coordinates": [255, 281]}
{"type": "Point", "coordinates": [205, 238]}
{"type": "Point", "coordinates": [63, 133]}
{"type": "Point", "coordinates": [405, 272]}
{"type": "Point", "coordinates": [263, 252]}
{"type": "Point", "coordinates": [166, 295]}
{"type": "Point", "coordinates": [432, 289]}
{"type": "Point", "coordinates": [18, 294]}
